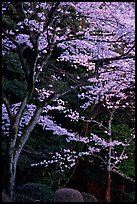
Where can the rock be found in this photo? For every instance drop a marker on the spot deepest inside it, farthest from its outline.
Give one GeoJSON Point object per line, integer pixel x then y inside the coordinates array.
{"type": "Point", "coordinates": [68, 195]}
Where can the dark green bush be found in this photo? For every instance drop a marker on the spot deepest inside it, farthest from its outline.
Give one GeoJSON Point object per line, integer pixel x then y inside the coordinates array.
{"type": "Point", "coordinates": [23, 198]}
{"type": "Point", "coordinates": [37, 192]}
{"type": "Point", "coordinates": [88, 197]}
{"type": "Point", "coordinates": [127, 197]}
{"type": "Point", "coordinates": [117, 196]}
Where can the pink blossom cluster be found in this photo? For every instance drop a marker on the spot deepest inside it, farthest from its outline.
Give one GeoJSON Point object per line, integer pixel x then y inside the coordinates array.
{"type": "Point", "coordinates": [65, 159]}
{"type": "Point", "coordinates": [101, 26]}
{"type": "Point", "coordinates": [45, 121]}
{"type": "Point", "coordinates": [117, 160]}
{"type": "Point", "coordinates": [110, 85]}
{"type": "Point", "coordinates": [93, 143]}
{"type": "Point", "coordinates": [98, 141]}
{"type": "Point", "coordinates": [43, 93]}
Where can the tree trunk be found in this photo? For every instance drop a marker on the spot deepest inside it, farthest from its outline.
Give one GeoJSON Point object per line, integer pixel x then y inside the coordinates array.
{"type": "Point", "coordinates": [11, 177]}
{"type": "Point", "coordinates": [108, 187]}
{"type": "Point", "coordinates": [15, 147]}
{"type": "Point", "coordinates": [108, 179]}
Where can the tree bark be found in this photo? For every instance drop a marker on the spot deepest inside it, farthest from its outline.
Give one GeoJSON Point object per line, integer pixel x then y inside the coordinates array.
{"type": "Point", "coordinates": [108, 184]}
{"type": "Point", "coordinates": [15, 146]}
{"type": "Point", "coordinates": [108, 179]}
{"type": "Point", "coordinates": [11, 175]}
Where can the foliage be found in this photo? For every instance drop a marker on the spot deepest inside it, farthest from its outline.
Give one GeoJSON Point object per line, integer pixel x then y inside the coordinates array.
{"type": "Point", "coordinates": [88, 197]}
{"type": "Point", "coordinates": [54, 178]}
{"type": "Point", "coordinates": [13, 78]}
{"type": "Point", "coordinates": [128, 197]}
{"type": "Point", "coordinates": [40, 192]}
{"type": "Point", "coordinates": [128, 166]}
{"type": "Point", "coordinates": [123, 197]}
{"type": "Point", "coordinates": [122, 131]}
{"type": "Point", "coordinates": [23, 198]}
{"type": "Point", "coordinates": [37, 150]}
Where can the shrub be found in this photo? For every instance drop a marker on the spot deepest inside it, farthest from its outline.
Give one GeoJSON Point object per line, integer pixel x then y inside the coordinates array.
{"type": "Point", "coordinates": [127, 197]}
{"type": "Point", "coordinates": [88, 197]}
{"type": "Point", "coordinates": [37, 192]}
{"type": "Point", "coordinates": [68, 195]}
{"type": "Point", "coordinates": [23, 198]}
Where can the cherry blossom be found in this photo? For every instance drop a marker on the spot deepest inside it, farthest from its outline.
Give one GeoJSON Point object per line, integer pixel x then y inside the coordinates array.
{"type": "Point", "coordinates": [99, 36]}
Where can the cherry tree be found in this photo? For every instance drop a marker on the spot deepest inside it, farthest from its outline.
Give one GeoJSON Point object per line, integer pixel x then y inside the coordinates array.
{"type": "Point", "coordinates": [110, 89]}
{"type": "Point", "coordinates": [88, 33]}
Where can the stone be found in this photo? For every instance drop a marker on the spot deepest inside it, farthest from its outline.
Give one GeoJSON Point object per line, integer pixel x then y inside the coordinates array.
{"type": "Point", "coordinates": [68, 195]}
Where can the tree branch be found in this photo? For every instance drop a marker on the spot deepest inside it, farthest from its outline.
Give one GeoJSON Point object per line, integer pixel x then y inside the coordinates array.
{"type": "Point", "coordinates": [51, 13]}
{"type": "Point", "coordinates": [123, 175]}
{"type": "Point", "coordinates": [7, 104]}
{"type": "Point", "coordinates": [27, 130]}
{"type": "Point", "coordinates": [124, 148]}
{"type": "Point", "coordinates": [124, 56]}
{"type": "Point", "coordinates": [22, 107]}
